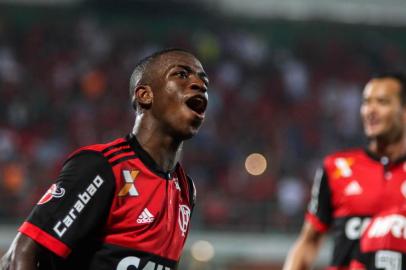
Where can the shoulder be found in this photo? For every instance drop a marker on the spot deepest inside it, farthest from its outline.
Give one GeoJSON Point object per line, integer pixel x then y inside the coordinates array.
{"type": "Point", "coordinates": [109, 152]}
{"type": "Point", "coordinates": [85, 166]}
{"type": "Point", "coordinates": [102, 148]}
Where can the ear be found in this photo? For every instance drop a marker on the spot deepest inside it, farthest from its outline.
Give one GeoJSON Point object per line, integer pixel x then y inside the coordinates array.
{"type": "Point", "coordinates": [144, 96]}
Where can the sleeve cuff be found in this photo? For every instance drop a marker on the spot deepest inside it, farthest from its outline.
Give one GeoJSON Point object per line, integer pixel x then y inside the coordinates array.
{"type": "Point", "coordinates": [316, 222]}
{"type": "Point", "coordinates": [45, 239]}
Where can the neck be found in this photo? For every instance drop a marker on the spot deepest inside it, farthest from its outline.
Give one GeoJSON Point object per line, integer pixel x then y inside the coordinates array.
{"type": "Point", "coordinates": [163, 148]}
{"type": "Point", "coordinates": [393, 150]}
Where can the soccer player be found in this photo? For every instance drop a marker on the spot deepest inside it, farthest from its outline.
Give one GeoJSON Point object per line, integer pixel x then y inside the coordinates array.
{"type": "Point", "coordinates": [354, 185]}
{"type": "Point", "coordinates": [383, 243]}
{"type": "Point", "coordinates": [124, 204]}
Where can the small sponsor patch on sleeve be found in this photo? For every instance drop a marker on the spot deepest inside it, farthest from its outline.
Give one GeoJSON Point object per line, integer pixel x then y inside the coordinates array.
{"type": "Point", "coordinates": [55, 191]}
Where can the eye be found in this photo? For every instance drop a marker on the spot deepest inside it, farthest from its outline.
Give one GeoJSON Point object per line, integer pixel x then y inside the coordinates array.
{"type": "Point", "coordinates": [183, 74]}
{"type": "Point", "coordinates": [384, 101]}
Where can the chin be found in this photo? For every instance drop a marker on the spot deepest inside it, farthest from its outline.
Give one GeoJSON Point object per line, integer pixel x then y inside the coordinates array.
{"type": "Point", "coordinates": [193, 128]}
{"type": "Point", "coordinates": [190, 134]}
{"type": "Point", "coordinates": [372, 133]}
{"type": "Point", "coordinates": [188, 130]}
{"type": "Point", "coordinates": [186, 134]}
{"type": "Point", "coordinates": [381, 136]}
{"type": "Point", "coordinates": [370, 137]}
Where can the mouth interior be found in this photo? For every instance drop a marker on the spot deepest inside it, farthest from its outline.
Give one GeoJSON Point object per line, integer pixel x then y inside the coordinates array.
{"type": "Point", "coordinates": [197, 104]}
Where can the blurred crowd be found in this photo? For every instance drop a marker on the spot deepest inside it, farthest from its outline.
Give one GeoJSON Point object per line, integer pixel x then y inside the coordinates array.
{"type": "Point", "coordinates": [292, 97]}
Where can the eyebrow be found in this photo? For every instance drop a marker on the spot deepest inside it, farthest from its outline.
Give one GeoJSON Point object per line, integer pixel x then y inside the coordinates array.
{"type": "Point", "coordinates": [201, 74]}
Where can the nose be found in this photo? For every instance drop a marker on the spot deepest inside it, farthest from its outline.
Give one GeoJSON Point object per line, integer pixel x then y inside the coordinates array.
{"type": "Point", "coordinates": [198, 84]}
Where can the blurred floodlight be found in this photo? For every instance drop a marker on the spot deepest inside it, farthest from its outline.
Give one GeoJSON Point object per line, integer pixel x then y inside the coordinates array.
{"type": "Point", "coordinates": [389, 12]}
{"type": "Point", "coordinates": [202, 251]}
{"type": "Point", "coordinates": [255, 164]}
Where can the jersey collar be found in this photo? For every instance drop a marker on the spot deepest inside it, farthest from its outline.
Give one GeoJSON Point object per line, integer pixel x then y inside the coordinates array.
{"type": "Point", "coordinates": [378, 158]}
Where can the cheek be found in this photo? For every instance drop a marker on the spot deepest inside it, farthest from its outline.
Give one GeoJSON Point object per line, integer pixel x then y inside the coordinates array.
{"type": "Point", "coordinates": [174, 110]}
{"type": "Point", "coordinates": [167, 100]}
{"type": "Point", "coordinates": [400, 118]}
{"type": "Point", "coordinates": [394, 118]}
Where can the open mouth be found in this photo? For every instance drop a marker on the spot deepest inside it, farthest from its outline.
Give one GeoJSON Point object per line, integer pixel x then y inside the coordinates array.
{"type": "Point", "coordinates": [372, 122]}
{"type": "Point", "coordinates": [197, 104]}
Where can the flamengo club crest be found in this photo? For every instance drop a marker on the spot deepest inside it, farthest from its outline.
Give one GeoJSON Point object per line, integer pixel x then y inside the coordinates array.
{"type": "Point", "coordinates": [53, 192]}
{"type": "Point", "coordinates": [184, 217]}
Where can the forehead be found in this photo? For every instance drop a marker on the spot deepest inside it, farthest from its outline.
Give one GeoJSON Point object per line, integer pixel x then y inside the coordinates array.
{"type": "Point", "coordinates": [171, 59]}
{"type": "Point", "coordinates": [385, 87]}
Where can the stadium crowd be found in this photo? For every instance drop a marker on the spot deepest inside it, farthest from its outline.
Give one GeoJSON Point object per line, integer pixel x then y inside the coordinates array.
{"type": "Point", "coordinates": [62, 86]}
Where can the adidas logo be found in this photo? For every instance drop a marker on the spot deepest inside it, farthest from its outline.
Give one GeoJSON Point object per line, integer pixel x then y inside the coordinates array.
{"type": "Point", "coordinates": [353, 188]}
{"type": "Point", "coordinates": [145, 217]}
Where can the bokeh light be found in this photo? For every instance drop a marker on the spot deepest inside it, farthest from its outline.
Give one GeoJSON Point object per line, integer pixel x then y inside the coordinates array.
{"type": "Point", "coordinates": [255, 164]}
{"type": "Point", "coordinates": [202, 251]}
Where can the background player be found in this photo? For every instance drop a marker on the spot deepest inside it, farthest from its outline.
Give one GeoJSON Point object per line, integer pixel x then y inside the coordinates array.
{"type": "Point", "coordinates": [126, 203]}
{"type": "Point", "coordinates": [356, 184]}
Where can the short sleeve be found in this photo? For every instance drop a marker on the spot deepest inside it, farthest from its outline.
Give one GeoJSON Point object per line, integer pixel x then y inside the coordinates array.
{"type": "Point", "coordinates": [320, 209]}
{"type": "Point", "coordinates": [75, 207]}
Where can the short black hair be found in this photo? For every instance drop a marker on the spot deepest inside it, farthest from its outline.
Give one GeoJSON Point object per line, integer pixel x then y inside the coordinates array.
{"type": "Point", "coordinates": [141, 68]}
{"type": "Point", "coordinates": [400, 77]}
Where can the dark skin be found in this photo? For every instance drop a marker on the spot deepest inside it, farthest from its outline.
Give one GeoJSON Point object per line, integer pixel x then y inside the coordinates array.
{"type": "Point", "coordinates": [22, 254]}
{"type": "Point", "coordinates": [168, 121]}
{"type": "Point", "coordinates": [164, 119]}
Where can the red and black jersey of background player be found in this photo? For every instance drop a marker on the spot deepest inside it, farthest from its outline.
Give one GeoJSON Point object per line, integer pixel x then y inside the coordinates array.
{"type": "Point", "coordinates": [113, 208]}
{"type": "Point", "coordinates": [383, 243]}
{"type": "Point", "coordinates": [352, 186]}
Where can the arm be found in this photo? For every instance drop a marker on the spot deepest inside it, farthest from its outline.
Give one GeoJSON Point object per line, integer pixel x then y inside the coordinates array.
{"type": "Point", "coordinates": [22, 254]}
{"type": "Point", "coordinates": [306, 248]}
{"type": "Point", "coordinates": [44, 233]}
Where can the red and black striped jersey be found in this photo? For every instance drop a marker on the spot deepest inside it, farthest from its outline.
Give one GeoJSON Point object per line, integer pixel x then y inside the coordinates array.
{"type": "Point", "coordinates": [353, 186]}
{"type": "Point", "coordinates": [113, 208]}
{"type": "Point", "coordinates": [383, 243]}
